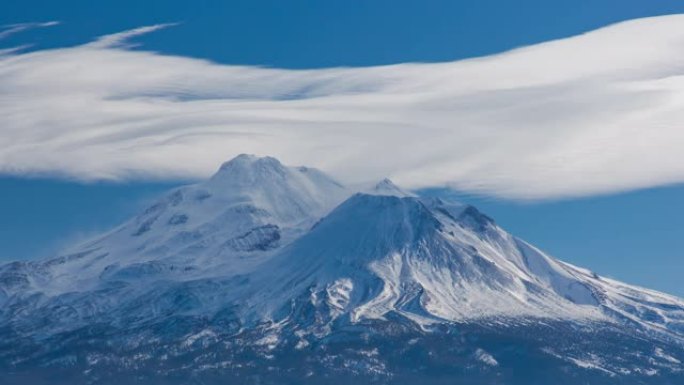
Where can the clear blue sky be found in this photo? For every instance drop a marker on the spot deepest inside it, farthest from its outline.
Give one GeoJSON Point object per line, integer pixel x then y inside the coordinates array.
{"type": "Point", "coordinates": [632, 236]}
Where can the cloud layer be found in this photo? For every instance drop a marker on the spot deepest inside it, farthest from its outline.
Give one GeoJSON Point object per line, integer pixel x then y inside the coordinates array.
{"type": "Point", "coordinates": [597, 113]}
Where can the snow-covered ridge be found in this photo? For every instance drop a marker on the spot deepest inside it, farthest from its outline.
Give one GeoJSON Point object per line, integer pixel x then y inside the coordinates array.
{"type": "Point", "coordinates": [269, 240]}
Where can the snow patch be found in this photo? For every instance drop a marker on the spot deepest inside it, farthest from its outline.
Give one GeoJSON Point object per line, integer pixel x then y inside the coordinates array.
{"type": "Point", "coordinates": [486, 358]}
{"type": "Point", "coordinates": [339, 295]}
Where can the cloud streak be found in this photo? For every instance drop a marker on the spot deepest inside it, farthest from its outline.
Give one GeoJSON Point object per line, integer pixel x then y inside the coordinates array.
{"type": "Point", "coordinates": [596, 113]}
{"type": "Point", "coordinates": [12, 29]}
{"type": "Point", "coordinates": [122, 39]}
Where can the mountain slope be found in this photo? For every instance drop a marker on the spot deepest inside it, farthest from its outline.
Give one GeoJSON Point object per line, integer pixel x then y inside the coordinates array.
{"type": "Point", "coordinates": [433, 262]}
{"type": "Point", "coordinates": [276, 274]}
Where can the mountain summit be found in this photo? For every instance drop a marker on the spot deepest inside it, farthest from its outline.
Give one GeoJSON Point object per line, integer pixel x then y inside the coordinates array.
{"type": "Point", "coordinates": [275, 274]}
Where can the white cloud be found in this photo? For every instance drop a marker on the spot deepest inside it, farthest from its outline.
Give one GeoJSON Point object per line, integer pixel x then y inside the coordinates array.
{"type": "Point", "coordinates": [596, 113]}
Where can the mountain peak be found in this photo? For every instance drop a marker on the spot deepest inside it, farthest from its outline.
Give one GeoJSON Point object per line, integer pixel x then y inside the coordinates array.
{"type": "Point", "coordinates": [288, 193]}
{"type": "Point", "coordinates": [250, 162]}
{"type": "Point", "coordinates": [247, 171]}
{"type": "Point", "coordinates": [387, 187]}
{"type": "Point", "coordinates": [368, 226]}
{"type": "Point", "coordinates": [363, 230]}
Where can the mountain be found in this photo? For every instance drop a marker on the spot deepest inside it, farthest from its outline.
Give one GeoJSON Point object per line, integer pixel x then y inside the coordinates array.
{"type": "Point", "coordinates": [279, 275]}
{"type": "Point", "coordinates": [251, 205]}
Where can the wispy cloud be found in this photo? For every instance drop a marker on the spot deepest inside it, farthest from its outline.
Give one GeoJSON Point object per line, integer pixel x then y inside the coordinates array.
{"type": "Point", "coordinates": [7, 51]}
{"type": "Point", "coordinates": [596, 113]}
{"type": "Point", "coordinates": [122, 39]}
{"type": "Point", "coordinates": [11, 29]}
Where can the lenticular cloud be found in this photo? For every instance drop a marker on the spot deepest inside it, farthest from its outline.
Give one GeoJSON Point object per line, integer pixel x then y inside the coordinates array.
{"type": "Point", "coordinates": [595, 113]}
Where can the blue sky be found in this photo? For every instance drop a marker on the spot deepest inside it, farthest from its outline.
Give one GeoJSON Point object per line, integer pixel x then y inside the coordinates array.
{"type": "Point", "coordinates": [310, 34]}
{"type": "Point", "coordinates": [629, 230]}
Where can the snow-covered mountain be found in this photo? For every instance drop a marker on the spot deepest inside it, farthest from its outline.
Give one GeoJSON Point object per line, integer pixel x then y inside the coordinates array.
{"type": "Point", "coordinates": [273, 274]}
